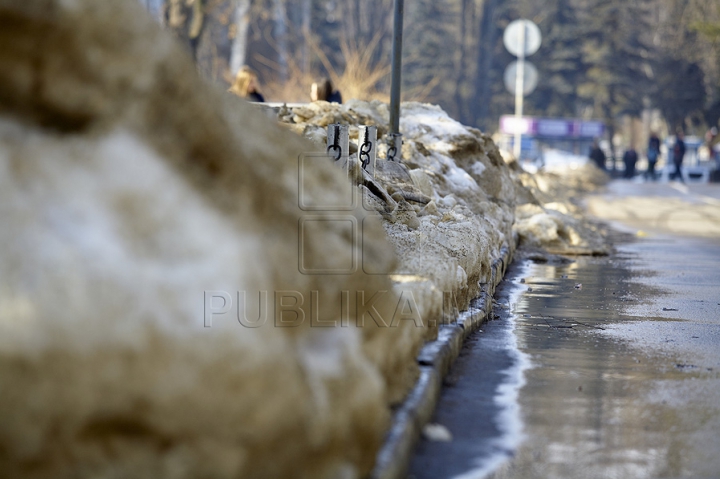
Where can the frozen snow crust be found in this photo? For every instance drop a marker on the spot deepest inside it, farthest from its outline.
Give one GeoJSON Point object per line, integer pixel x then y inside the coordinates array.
{"type": "Point", "coordinates": [129, 188]}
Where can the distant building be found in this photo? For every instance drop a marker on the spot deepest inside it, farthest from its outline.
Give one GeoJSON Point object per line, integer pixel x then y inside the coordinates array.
{"type": "Point", "coordinates": [566, 134]}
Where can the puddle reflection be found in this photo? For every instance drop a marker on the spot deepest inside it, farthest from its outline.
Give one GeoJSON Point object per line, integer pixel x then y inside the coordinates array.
{"type": "Point", "coordinates": [592, 406]}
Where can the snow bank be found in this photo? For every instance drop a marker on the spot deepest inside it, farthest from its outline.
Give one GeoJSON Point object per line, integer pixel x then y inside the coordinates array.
{"type": "Point", "coordinates": [473, 193]}
{"type": "Point", "coordinates": [448, 208]}
{"type": "Point", "coordinates": [186, 290]}
{"type": "Point", "coordinates": [128, 189]}
{"type": "Point", "coordinates": [548, 215]}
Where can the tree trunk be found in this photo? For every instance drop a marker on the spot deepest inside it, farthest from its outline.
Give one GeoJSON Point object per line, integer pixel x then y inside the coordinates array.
{"type": "Point", "coordinates": [186, 19]}
{"type": "Point", "coordinates": [379, 17]}
{"type": "Point", "coordinates": [239, 41]}
{"type": "Point", "coordinates": [280, 35]}
{"type": "Point", "coordinates": [305, 30]}
{"type": "Point", "coordinates": [486, 55]}
{"type": "Point", "coordinates": [356, 21]}
{"type": "Point", "coordinates": [460, 101]}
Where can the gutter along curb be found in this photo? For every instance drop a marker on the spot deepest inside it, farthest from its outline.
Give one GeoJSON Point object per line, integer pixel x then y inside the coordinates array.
{"type": "Point", "coordinates": [435, 360]}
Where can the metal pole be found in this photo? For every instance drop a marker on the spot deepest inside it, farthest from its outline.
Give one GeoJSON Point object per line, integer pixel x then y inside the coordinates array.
{"type": "Point", "coordinates": [396, 68]}
{"type": "Point", "coordinates": [519, 94]}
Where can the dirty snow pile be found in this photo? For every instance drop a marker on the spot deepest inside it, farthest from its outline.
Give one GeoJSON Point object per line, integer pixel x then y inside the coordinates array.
{"type": "Point", "coordinates": [549, 216]}
{"type": "Point", "coordinates": [184, 292]}
{"type": "Point", "coordinates": [462, 180]}
{"type": "Point", "coordinates": [448, 207]}
{"type": "Point", "coordinates": [140, 205]}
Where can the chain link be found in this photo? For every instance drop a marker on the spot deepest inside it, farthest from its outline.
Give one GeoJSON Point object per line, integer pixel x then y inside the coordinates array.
{"type": "Point", "coordinates": [365, 151]}
{"type": "Point", "coordinates": [392, 151]}
{"type": "Point", "coordinates": [335, 147]}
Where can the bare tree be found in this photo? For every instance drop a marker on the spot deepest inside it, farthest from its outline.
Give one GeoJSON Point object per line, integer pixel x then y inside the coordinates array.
{"type": "Point", "coordinates": [305, 29]}
{"type": "Point", "coordinates": [467, 22]}
{"type": "Point", "coordinates": [239, 35]}
{"type": "Point", "coordinates": [280, 19]}
{"type": "Point", "coordinates": [489, 34]}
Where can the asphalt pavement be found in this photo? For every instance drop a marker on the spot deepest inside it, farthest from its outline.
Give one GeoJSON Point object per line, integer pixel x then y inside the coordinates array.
{"type": "Point", "coordinates": [597, 367]}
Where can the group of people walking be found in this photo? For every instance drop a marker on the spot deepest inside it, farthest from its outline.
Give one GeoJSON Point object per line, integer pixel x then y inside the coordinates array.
{"type": "Point", "coordinates": [630, 157]}
{"type": "Point", "coordinates": [246, 85]}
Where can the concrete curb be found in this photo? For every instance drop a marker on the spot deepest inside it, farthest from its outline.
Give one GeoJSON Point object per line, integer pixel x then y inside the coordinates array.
{"type": "Point", "coordinates": [435, 359]}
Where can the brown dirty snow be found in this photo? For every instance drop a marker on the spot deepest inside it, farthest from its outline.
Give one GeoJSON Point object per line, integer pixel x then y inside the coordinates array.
{"type": "Point", "coordinates": [468, 202]}
{"type": "Point", "coordinates": [549, 216]}
{"type": "Point", "coordinates": [448, 208]}
{"type": "Point", "coordinates": [130, 187]}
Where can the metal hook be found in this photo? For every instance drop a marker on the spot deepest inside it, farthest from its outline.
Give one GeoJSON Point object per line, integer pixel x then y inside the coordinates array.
{"type": "Point", "coordinates": [394, 147]}
{"type": "Point", "coordinates": [336, 151]}
{"type": "Point", "coordinates": [365, 150]}
{"type": "Point", "coordinates": [335, 147]}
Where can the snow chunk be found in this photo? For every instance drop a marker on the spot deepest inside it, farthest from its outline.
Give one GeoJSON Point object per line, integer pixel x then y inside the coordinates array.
{"type": "Point", "coordinates": [437, 433]}
{"type": "Point", "coordinates": [461, 179]}
{"type": "Point", "coordinates": [477, 168]}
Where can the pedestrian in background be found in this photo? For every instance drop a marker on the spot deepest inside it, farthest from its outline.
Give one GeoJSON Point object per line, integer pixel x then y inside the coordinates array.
{"type": "Point", "coordinates": [597, 155]}
{"type": "Point", "coordinates": [678, 156]}
{"type": "Point", "coordinates": [653, 155]}
{"type": "Point", "coordinates": [630, 159]}
{"type": "Point", "coordinates": [246, 85]}
{"type": "Point", "coordinates": [712, 138]}
{"type": "Point", "coordinates": [325, 91]}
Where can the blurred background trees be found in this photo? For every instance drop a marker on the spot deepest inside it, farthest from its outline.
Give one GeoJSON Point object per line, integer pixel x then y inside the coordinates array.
{"type": "Point", "coordinates": [600, 58]}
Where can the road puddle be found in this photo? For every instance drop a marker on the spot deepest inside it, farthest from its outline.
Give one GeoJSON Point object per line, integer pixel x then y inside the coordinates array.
{"type": "Point", "coordinates": [610, 393]}
{"type": "Point", "coordinates": [597, 404]}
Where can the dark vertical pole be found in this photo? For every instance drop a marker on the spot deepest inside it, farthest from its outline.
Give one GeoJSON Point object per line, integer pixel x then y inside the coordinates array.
{"type": "Point", "coordinates": [396, 68]}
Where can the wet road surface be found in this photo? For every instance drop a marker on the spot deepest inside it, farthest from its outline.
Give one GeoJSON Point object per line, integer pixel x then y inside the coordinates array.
{"type": "Point", "coordinates": [623, 378]}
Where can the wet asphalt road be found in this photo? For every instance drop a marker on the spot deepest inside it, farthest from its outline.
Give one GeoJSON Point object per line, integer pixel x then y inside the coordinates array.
{"type": "Point", "coordinates": [624, 376]}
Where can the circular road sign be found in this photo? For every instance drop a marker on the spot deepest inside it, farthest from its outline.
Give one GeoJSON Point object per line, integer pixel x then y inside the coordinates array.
{"type": "Point", "coordinates": [530, 77]}
{"type": "Point", "coordinates": [512, 38]}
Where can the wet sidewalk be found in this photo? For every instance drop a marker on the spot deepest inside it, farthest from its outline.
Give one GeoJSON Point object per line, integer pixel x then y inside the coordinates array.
{"type": "Point", "coordinates": [603, 367]}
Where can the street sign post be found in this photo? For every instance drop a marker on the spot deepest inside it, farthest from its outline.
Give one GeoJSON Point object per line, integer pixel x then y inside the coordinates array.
{"type": "Point", "coordinates": [514, 41]}
{"type": "Point", "coordinates": [529, 80]}
{"type": "Point", "coordinates": [522, 38]}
